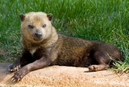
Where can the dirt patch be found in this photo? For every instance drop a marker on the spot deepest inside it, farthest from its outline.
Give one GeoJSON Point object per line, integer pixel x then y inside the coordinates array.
{"type": "Point", "coordinates": [62, 76]}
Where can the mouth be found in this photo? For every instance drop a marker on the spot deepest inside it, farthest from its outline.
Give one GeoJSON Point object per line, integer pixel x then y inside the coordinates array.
{"type": "Point", "coordinates": [38, 39]}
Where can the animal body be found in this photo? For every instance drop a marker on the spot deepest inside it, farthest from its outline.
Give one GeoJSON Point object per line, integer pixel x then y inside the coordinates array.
{"type": "Point", "coordinates": [42, 47]}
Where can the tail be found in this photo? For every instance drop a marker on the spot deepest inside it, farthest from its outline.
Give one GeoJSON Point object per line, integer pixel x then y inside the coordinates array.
{"type": "Point", "coordinates": [118, 58]}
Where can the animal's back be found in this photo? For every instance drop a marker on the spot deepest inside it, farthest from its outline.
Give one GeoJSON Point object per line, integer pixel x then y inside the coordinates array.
{"type": "Point", "coordinates": [72, 51]}
{"type": "Point", "coordinates": [80, 52]}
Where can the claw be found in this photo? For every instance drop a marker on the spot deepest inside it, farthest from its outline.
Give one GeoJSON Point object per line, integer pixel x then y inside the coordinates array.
{"type": "Point", "coordinates": [15, 68]}
{"type": "Point", "coordinates": [13, 80]}
{"type": "Point", "coordinates": [19, 79]}
{"type": "Point", "coordinates": [21, 76]}
{"type": "Point", "coordinates": [19, 66]}
{"type": "Point", "coordinates": [10, 70]}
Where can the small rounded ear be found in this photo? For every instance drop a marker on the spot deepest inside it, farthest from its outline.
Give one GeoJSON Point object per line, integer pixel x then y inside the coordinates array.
{"type": "Point", "coordinates": [22, 17]}
{"type": "Point", "coordinates": [50, 16]}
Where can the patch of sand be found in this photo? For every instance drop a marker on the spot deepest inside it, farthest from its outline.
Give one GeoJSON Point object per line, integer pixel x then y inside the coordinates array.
{"type": "Point", "coordinates": [64, 76]}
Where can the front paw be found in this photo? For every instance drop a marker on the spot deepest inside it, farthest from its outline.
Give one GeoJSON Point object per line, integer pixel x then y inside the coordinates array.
{"type": "Point", "coordinates": [14, 67]}
{"type": "Point", "coordinates": [19, 75]}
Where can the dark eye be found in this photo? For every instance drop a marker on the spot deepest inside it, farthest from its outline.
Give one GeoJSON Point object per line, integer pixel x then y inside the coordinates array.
{"type": "Point", "coordinates": [30, 26]}
{"type": "Point", "coordinates": [44, 26]}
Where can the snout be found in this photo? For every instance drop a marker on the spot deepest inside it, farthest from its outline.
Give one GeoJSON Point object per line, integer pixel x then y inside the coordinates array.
{"type": "Point", "coordinates": [38, 34]}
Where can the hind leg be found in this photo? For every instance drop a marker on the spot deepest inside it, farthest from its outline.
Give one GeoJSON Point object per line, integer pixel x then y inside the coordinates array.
{"type": "Point", "coordinates": [102, 60]}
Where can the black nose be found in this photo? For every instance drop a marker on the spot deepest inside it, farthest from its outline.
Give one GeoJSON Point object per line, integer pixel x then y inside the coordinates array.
{"type": "Point", "coordinates": [38, 33]}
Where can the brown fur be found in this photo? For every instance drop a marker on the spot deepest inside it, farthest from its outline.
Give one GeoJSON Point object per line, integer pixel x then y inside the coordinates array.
{"type": "Point", "coordinates": [42, 46]}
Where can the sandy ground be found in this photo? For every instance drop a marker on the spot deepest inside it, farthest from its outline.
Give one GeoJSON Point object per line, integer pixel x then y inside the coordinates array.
{"type": "Point", "coordinates": [62, 76]}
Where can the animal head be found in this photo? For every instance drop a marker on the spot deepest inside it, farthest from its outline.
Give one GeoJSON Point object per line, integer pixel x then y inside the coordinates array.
{"type": "Point", "coordinates": [36, 26]}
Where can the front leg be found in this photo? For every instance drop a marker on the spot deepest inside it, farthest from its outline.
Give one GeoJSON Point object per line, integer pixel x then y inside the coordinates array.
{"type": "Point", "coordinates": [15, 66]}
{"type": "Point", "coordinates": [20, 62]}
{"type": "Point", "coordinates": [38, 64]}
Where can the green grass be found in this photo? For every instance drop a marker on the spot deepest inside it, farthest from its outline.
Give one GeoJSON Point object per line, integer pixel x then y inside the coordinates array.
{"type": "Point", "coordinates": [104, 20]}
